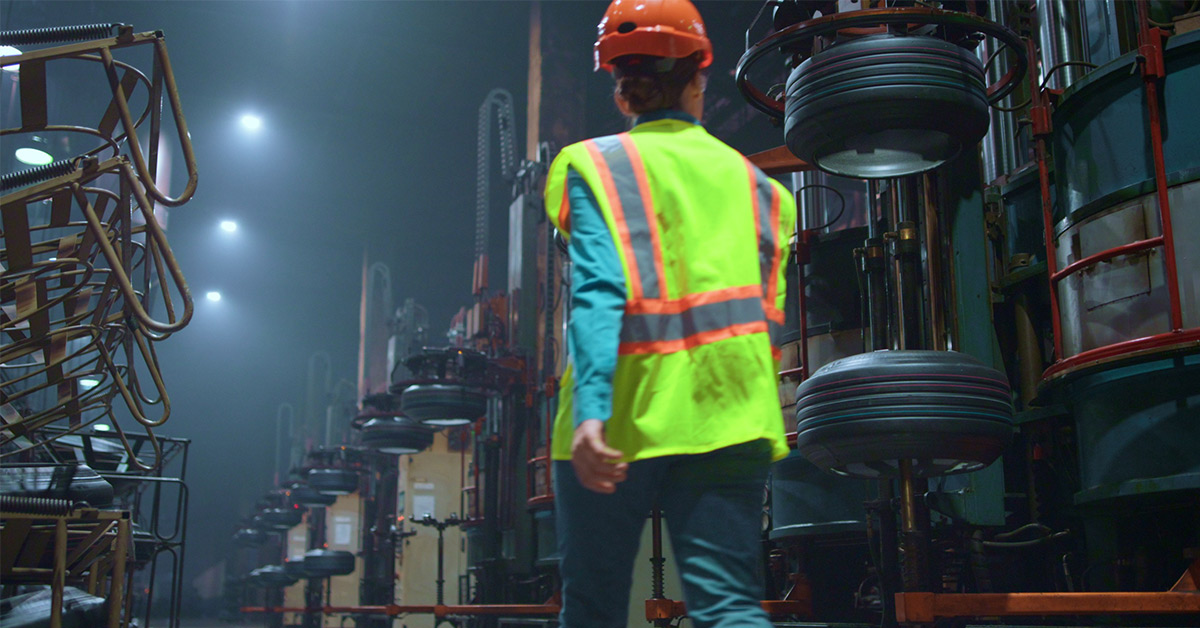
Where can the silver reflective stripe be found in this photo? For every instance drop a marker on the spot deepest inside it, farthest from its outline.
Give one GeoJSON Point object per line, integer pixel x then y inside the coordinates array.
{"type": "Point", "coordinates": [766, 242]}
{"type": "Point", "coordinates": [632, 205]}
{"type": "Point", "coordinates": [692, 321]}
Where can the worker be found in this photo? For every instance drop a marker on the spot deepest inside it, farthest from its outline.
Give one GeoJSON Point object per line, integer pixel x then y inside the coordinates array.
{"type": "Point", "coordinates": [670, 399]}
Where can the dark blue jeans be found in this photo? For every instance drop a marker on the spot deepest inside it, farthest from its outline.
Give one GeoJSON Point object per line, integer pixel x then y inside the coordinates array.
{"type": "Point", "coordinates": [713, 506]}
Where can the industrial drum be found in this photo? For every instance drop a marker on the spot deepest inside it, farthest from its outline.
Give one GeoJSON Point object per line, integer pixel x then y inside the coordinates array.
{"type": "Point", "coordinates": [1129, 320]}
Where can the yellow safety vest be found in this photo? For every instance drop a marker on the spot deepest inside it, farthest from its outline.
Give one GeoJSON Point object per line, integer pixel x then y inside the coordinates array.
{"type": "Point", "coordinates": [701, 234]}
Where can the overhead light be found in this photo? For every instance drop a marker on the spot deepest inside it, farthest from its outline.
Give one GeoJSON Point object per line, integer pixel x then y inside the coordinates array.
{"type": "Point", "coordinates": [88, 383]}
{"type": "Point", "coordinates": [33, 156]}
{"type": "Point", "coordinates": [213, 295]}
{"type": "Point", "coordinates": [102, 427]}
{"type": "Point", "coordinates": [8, 51]}
{"type": "Point", "coordinates": [228, 226]}
{"type": "Point", "coordinates": [251, 122]}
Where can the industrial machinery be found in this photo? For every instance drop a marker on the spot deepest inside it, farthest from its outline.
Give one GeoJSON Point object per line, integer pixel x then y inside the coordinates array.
{"type": "Point", "coordinates": [1056, 526]}
{"type": "Point", "coordinates": [990, 372]}
{"type": "Point", "coordinates": [88, 286]}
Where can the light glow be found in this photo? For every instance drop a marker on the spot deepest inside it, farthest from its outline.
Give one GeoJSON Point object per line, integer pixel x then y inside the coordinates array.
{"type": "Point", "coordinates": [33, 156]}
{"type": "Point", "coordinates": [228, 226]}
{"type": "Point", "coordinates": [102, 427]}
{"type": "Point", "coordinates": [8, 51]}
{"type": "Point", "coordinates": [251, 122]}
{"type": "Point", "coordinates": [213, 295]}
{"type": "Point", "coordinates": [88, 383]}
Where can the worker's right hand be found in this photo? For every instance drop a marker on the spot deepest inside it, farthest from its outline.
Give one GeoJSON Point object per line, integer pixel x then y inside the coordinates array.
{"type": "Point", "coordinates": [595, 462]}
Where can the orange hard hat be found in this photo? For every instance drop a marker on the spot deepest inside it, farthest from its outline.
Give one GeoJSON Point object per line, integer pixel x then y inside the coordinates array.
{"type": "Point", "coordinates": [657, 28]}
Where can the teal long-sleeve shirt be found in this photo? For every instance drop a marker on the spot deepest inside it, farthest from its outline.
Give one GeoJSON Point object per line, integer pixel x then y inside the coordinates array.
{"type": "Point", "coordinates": [597, 295]}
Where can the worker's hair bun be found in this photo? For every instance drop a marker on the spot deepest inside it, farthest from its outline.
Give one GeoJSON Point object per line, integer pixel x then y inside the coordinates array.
{"type": "Point", "coordinates": [653, 83]}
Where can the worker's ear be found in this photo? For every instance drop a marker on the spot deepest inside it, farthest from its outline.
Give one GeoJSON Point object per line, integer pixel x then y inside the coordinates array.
{"type": "Point", "coordinates": [622, 105]}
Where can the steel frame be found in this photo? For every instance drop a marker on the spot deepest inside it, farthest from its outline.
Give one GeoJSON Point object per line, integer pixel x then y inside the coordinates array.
{"type": "Point", "coordinates": [86, 546]}
{"type": "Point", "coordinates": [927, 607]}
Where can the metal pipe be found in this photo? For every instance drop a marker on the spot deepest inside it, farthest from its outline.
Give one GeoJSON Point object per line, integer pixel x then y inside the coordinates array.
{"type": "Point", "coordinates": [999, 145]}
{"type": "Point", "coordinates": [910, 329]}
{"type": "Point", "coordinates": [1061, 40]}
{"type": "Point", "coordinates": [291, 416]}
{"type": "Point", "coordinates": [930, 224]}
{"type": "Point", "coordinates": [656, 557]}
{"type": "Point", "coordinates": [802, 256]}
{"type": "Point", "coordinates": [1029, 353]}
{"type": "Point", "coordinates": [914, 532]}
{"type": "Point", "coordinates": [873, 268]}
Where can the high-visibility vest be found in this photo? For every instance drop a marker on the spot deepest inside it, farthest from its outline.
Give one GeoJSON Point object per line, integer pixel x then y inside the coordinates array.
{"type": "Point", "coordinates": [701, 234]}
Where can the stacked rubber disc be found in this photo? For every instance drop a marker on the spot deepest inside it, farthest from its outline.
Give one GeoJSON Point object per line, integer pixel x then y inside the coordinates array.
{"type": "Point", "coordinates": [396, 435]}
{"type": "Point", "coordinates": [885, 106]}
{"type": "Point", "coordinates": [945, 411]}
{"type": "Point", "coordinates": [443, 405]}
{"type": "Point", "coordinates": [323, 563]}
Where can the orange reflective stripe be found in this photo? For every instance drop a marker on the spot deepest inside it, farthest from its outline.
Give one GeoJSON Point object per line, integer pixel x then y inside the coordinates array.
{"type": "Point", "coordinates": [639, 172]}
{"type": "Point", "coordinates": [564, 212]}
{"type": "Point", "coordinates": [618, 212]}
{"type": "Point", "coordinates": [674, 306]}
{"type": "Point", "coordinates": [634, 220]}
{"type": "Point", "coordinates": [695, 340]}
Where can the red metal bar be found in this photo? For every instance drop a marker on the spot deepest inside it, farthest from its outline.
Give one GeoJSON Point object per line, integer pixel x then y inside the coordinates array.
{"type": "Point", "coordinates": [1154, 69]}
{"type": "Point", "coordinates": [1190, 579]}
{"type": "Point", "coordinates": [496, 609]}
{"type": "Point", "coordinates": [538, 499]}
{"type": "Point", "coordinates": [926, 607]}
{"type": "Point", "coordinates": [1128, 348]}
{"type": "Point", "coordinates": [779, 160]}
{"type": "Point", "coordinates": [1039, 115]}
{"type": "Point", "coordinates": [1104, 256]}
